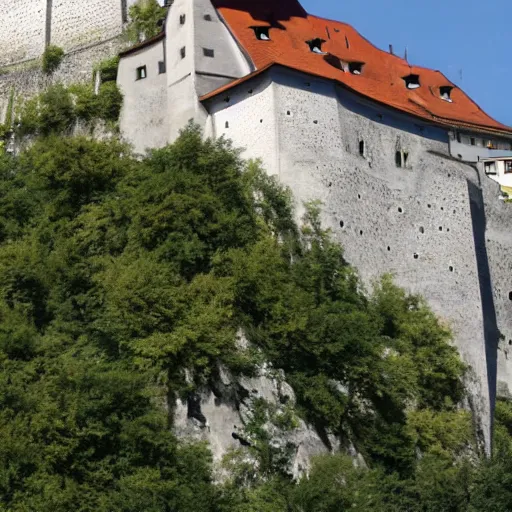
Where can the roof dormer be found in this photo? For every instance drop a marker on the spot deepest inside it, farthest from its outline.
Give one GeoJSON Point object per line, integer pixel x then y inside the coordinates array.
{"type": "Point", "coordinates": [315, 45]}
{"type": "Point", "coordinates": [446, 93]}
{"type": "Point", "coordinates": [262, 33]}
{"type": "Point", "coordinates": [356, 68]}
{"type": "Point", "coordinates": [412, 81]}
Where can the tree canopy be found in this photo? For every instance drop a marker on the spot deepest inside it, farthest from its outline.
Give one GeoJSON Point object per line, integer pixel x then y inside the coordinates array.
{"type": "Point", "coordinates": [123, 283]}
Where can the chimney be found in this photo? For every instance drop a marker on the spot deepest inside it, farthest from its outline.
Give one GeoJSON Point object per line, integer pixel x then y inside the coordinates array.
{"type": "Point", "coordinates": [391, 49]}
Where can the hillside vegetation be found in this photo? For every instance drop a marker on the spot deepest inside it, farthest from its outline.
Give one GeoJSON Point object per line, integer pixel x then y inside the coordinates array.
{"type": "Point", "coordinates": [123, 284]}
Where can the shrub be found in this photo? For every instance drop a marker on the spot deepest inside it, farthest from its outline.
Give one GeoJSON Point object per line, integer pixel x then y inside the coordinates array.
{"type": "Point", "coordinates": [52, 57]}
{"type": "Point", "coordinates": [108, 69]}
{"type": "Point", "coordinates": [109, 101]}
{"type": "Point", "coordinates": [146, 16]}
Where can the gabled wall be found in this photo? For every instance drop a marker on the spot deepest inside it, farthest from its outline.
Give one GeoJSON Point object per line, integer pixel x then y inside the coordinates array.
{"type": "Point", "coordinates": [144, 118]}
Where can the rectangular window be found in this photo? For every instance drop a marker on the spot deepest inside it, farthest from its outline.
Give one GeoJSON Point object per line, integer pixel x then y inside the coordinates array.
{"type": "Point", "coordinates": [161, 67]}
{"type": "Point", "coordinates": [508, 167]}
{"type": "Point", "coordinates": [490, 167]}
{"type": "Point", "coordinates": [208, 52]}
{"type": "Point", "coordinates": [183, 52]}
{"type": "Point", "coordinates": [473, 141]}
{"type": "Point", "coordinates": [142, 73]}
{"type": "Point", "coordinates": [183, 18]}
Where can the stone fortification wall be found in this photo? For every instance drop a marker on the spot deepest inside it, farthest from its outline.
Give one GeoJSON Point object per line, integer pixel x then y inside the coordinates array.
{"type": "Point", "coordinates": [424, 222]}
{"type": "Point", "coordinates": [22, 30]}
{"type": "Point", "coordinates": [27, 26]}
{"type": "Point", "coordinates": [75, 24]}
{"type": "Point", "coordinates": [498, 221]}
{"type": "Point", "coordinates": [27, 79]}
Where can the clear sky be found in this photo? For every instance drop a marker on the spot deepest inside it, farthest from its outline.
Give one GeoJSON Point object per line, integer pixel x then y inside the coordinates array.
{"type": "Point", "coordinates": [470, 41]}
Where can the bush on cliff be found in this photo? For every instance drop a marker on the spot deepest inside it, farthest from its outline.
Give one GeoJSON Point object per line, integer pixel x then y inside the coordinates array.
{"type": "Point", "coordinates": [123, 283]}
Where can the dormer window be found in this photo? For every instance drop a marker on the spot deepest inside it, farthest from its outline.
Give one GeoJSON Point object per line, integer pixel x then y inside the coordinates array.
{"type": "Point", "coordinates": [262, 33]}
{"type": "Point", "coordinates": [446, 93]}
{"type": "Point", "coordinates": [334, 61]}
{"type": "Point", "coordinates": [412, 81]}
{"type": "Point", "coordinates": [356, 68]}
{"type": "Point", "coordinates": [315, 45]}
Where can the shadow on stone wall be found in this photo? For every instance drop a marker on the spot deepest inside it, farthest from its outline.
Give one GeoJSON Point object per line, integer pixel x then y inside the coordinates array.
{"type": "Point", "coordinates": [491, 331]}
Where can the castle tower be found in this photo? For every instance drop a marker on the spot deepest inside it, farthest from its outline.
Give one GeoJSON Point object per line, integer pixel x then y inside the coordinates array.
{"type": "Point", "coordinates": [163, 78]}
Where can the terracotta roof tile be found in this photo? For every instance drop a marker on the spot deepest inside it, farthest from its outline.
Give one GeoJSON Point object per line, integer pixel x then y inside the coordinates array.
{"type": "Point", "coordinates": [382, 74]}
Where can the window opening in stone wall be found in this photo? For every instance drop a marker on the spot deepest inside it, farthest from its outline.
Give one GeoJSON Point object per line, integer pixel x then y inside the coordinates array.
{"type": "Point", "coordinates": [183, 18]}
{"type": "Point", "coordinates": [356, 68]}
{"type": "Point", "coordinates": [398, 159]}
{"type": "Point", "coordinates": [446, 93]}
{"type": "Point", "coordinates": [183, 52]}
{"type": "Point", "coordinates": [490, 167]}
{"type": "Point", "coordinates": [262, 33]}
{"type": "Point", "coordinates": [473, 141]}
{"type": "Point", "coordinates": [208, 52]}
{"type": "Point", "coordinates": [510, 296]}
{"type": "Point", "coordinates": [361, 147]}
{"type": "Point", "coordinates": [508, 166]}
{"type": "Point", "coordinates": [459, 138]}
{"type": "Point", "coordinates": [142, 72]}
{"type": "Point", "coordinates": [207, 17]}
{"type": "Point", "coordinates": [412, 81]}
{"type": "Point", "coordinates": [315, 45]}
{"type": "Point", "coordinates": [161, 67]}
{"type": "Point", "coordinates": [405, 158]}
{"type": "Point", "coordinates": [227, 124]}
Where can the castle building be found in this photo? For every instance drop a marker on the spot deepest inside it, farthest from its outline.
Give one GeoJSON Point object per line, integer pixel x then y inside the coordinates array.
{"type": "Point", "coordinates": [390, 148]}
{"type": "Point", "coordinates": [396, 153]}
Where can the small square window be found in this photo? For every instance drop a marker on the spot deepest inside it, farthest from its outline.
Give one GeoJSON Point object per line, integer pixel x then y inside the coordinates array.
{"type": "Point", "coordinates": [142, 72]}
{"type": "Point", "coordinates": [208, 52]}
{"type": "Point", "coordinates": [490, 167]}
{"type": "Point", "coordinates": [161, 67]}
{"type": "Point", "coordinates": [207, 17]}
{"type": "Point", "coordinates": [183, 52]}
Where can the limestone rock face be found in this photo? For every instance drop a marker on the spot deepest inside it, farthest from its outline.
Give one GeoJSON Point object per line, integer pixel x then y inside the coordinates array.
{"type": "Point", "coordinates": [225, 415]}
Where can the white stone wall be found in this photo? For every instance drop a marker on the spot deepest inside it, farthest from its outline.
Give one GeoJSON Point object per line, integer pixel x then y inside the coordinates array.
{"type": "Point", "coordinates": [144, 119]}
{"type": "Point", "coordinates": [78, 23]}
{"type": "Point", "coordinates": [22, 30]}
{"type": "Point", "coordinates": [415, 222]}
{"type": "Point", "coordinates": [248, 119]}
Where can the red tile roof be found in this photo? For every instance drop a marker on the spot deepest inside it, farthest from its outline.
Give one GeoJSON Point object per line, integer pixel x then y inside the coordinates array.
{"type": "Point", "coordinates": [382, 75]}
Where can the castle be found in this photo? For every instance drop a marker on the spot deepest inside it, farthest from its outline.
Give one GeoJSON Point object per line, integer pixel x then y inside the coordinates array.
{"type": "Point", "coordinates": [392, 150]}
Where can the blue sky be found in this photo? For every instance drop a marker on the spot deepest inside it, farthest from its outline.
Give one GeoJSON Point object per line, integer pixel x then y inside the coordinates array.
{"type": "Point", "coordinates": [470, 41]}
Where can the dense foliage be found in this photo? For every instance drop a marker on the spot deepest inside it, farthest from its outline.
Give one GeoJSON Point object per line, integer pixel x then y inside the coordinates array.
{"type": "Point", "coordinates": [123, 283]}
{"type": "Point", "coordinates": [52, 58]}
{"type": "Point", "coordinates": [146, 18]}
{"type": "Point", "coordinates": [59, 108]}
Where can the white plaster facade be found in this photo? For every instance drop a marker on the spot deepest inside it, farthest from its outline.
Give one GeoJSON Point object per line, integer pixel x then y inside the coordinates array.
{"type": "Point", "coordinates": [499, 170]}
